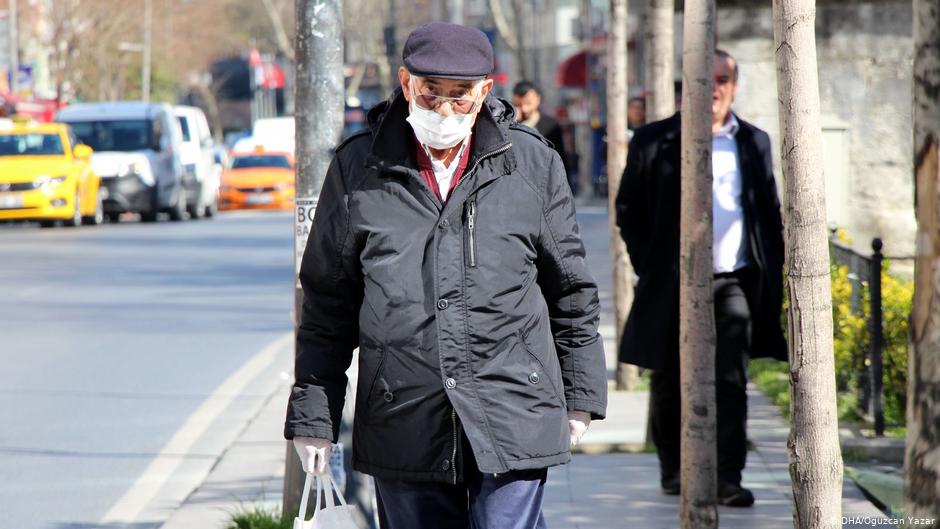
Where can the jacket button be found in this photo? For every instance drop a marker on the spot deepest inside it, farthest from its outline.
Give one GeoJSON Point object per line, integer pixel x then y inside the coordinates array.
{"type": "Point", "coordinates": [389, 397]}
{"type": "Point", "coordinates": [446, 464]}
{"type": "Point", "coordinates": [444, 223]}
{"type": "Point", "coordinates": [534, 378]}
{"type": "Point", "coordinates": [450, 383]}
{"type": "Point", "coordinates": [443, 304]}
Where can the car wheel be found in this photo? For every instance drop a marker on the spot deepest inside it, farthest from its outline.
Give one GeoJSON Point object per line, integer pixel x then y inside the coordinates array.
{"type": "Point", "coordinates": [98, 217]}
{"type": "Point", "coordinates": [212, 209]}
{"type": "Point", "coordinates": [154, 212]}
{"type": "Point", "coordinates": [47, 224]}
{"type": "Point", "coordinates": [76, 219]}
{"type": "Point", "coordinates": [195, 211]}
{"type": "Point", "coordinates": [178, 211]}
{"type": "Point", "coordinates": [113, 217]}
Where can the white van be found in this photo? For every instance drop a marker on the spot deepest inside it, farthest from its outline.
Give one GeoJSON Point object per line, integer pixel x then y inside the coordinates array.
{"type": "Point", "coordinates": [202, 175]}
{"type": "Point", "coordinates": [136, 154]}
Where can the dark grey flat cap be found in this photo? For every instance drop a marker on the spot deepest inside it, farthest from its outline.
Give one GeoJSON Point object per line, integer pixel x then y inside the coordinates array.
{"type": "Point", "coordinates": [448, 51]}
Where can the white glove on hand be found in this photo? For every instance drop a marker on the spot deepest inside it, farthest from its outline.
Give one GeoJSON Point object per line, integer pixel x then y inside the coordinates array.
{"type": "Point", "coordinates": [578, 422]}
{"type": "Point", "coordinates": [314, 454]}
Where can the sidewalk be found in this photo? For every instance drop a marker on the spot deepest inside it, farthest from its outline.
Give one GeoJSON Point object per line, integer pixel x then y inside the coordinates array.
{"type": "Point", "coordinates": [610, 484]}
{"type": "Point", "coordinates": [607, 490]}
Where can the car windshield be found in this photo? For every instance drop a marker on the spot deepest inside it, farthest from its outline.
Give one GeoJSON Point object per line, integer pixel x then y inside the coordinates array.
{"type": "Point", "coordinates": [30, 145]}
{"type": "Point", "coordinates": [129, 135]}
{"type": "Point", "coordinates": [260, 160]}
{"type": "Point", "coordinates": [184, 125]}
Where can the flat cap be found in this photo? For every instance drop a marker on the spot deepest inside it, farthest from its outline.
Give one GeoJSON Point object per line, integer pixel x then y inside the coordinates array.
{"type": "Point", "coordinates": [448, 51]}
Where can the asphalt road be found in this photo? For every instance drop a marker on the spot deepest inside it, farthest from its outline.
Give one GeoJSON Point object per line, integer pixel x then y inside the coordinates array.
{"type": "Point", "coordinates": [111, 339]}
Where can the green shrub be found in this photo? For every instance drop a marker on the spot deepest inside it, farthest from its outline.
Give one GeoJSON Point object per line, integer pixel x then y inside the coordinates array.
{"type": "Point", "coordinates": [258, 517]}
{"type": "Point", "coordinates": [852, 337]}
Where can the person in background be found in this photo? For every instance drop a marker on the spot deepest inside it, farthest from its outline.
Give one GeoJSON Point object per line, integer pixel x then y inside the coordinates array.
{"type": "Point", "coordinates": [527, 98]}
{"type": "Point", "coordinates": [748, 269]}
{"type": "Point", "coordinates": [445, 248]}
{"type": "Point", "coordinates": [636, 112]}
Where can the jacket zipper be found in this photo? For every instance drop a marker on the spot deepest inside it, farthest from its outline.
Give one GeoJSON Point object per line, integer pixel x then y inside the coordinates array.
{"type": "Point", "coordinates": [469, 171]}
{"type": "Point", "coordinates": [453, 457]}
{"type": "Point", "coordinates": [471, 228]}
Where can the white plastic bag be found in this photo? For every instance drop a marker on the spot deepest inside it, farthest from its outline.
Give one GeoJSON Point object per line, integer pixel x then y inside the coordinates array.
{"type": "Point", "coordinates": [332, 516]}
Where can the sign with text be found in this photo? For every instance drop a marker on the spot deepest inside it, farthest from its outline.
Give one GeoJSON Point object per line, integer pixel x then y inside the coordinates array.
{"type": "Point", "coordinates": [305, 207]}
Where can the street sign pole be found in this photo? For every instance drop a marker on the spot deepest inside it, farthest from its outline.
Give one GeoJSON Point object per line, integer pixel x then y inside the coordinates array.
{"type": "Point", "coordinates": [318, 117]}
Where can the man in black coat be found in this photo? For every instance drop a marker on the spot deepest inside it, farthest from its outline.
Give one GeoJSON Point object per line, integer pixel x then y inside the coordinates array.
{"type": "Point", "coordinates": [748, 263]}
{"type": "Point", "coordinates": [527, 99]}
{"type": "Point", "coordinates": [445, 247]}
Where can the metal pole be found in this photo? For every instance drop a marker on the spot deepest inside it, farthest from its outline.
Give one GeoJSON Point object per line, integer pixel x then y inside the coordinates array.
{"type": "Point", "coordinates": [145, 67]}
{"type": "Point", "coordinates": [14, 48]}
{"type": "Point", "coordinates": [318, 118]}
{"type": "Point", "coordinates": [877, 338]}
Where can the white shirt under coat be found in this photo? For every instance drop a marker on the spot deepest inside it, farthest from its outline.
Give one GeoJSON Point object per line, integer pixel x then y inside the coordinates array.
{"type": "Point", "coordinates": [444, 174]}
{"type": "Point", "coordinates": [730, 249]}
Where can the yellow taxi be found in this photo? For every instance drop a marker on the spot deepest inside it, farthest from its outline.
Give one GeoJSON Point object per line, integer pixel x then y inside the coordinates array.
{"type": "Point", "coordinates": [46, 175]}
{"type": "Point", "coordinates": [258, 180]}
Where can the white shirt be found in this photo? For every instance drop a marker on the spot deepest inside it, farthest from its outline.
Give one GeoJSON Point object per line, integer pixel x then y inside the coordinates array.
{"type": "Point", "coordinates": [730, 250]}
{"type": "Point", "coordinates": [442, 173]}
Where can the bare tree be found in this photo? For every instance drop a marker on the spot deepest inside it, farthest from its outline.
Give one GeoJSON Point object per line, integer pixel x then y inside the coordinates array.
{"type": "Point", "coordinates": [510, 36]}
{"type": "Point", "coordinates": [815, 458]}
{"type": "Point", "coordinates": [616, 161]}
{"type": "Point", "coordinates": [660, 59]}
{"type": "Point", "coordinates": [698, 466]}
{"type": "Point", "coordinates": [283, 42]}
{"type": "Point", "coordinates": [922, 457]}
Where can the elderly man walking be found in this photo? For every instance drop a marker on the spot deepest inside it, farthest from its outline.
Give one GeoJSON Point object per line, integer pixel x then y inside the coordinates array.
{"type": "Point", "coordinates": [445, 248]}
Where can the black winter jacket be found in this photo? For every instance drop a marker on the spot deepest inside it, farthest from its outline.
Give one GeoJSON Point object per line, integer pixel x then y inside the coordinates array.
{"type": "Point", "coordinates": [476, 317]}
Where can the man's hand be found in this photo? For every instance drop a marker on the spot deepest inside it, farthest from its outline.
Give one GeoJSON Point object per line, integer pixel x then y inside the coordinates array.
{"type": "Point", "coordinates": [314, 454]}
{"type": "Point", "coordinates": [578, 422]}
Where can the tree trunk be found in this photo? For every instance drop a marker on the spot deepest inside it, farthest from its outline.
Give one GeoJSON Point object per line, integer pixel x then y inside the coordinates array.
{"type": "Point", "coordinates": [698, 468]}
{"type": "Point", "coordinates": [616, 160]}
{"type": "Point", "coordinates": [660, 60]}
{"type": "Point", "coordinates": [280, 33]}
{"type": "Point", "coordinates": [318, 118]}
{"type": "Point", "coordinates": [813, 444]}
{"type": "Point", "coordinates": [922, 458]}
{"type": "Point", "coordinates": [660, 92]}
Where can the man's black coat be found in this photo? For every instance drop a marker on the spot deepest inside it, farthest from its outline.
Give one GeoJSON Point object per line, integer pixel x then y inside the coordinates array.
{"type": "Point", "coordinates": [475, 317]}
{"type": "Point", "coordinates": [551, 130]}
{"type": "Point", "coordinates": [648, 217]}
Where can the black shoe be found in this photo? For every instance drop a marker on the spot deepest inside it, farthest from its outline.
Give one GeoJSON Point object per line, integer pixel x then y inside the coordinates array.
{"type": "Point", "coordinates": [670, 485]}
{"type": "Point", "coordinates": [732, 495]}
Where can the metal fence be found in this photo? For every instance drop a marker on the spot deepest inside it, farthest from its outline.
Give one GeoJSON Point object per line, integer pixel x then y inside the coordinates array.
{"type": "Point", "coordinates": [865, 272]}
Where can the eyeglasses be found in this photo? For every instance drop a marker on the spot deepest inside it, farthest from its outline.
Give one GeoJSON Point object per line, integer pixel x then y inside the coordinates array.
{"type": "Point", "coordinates": [460, 105]}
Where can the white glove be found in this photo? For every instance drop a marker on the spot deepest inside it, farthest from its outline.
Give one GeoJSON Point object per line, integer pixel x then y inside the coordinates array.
{"type": "Point", "coordinates": [314, 454]}
{"type": "Point", "coordinates": [578, 422]}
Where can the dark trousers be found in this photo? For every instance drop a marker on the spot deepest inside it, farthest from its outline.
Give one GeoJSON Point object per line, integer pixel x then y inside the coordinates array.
{"type": "Point", "coordinates": [733, 331]}
{"type": "Point", "coordinates": [512, 500]}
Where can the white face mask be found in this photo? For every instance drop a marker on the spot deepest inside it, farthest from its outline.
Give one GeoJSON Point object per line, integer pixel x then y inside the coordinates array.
{"type": "Point", "coordinates": [437, 131]}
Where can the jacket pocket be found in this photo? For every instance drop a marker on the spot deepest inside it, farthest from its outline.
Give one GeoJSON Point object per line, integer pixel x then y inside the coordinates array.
{"type": "Point", "coordinates": [471, 243]}
{"type": "Point", "coordinates": [376, 374]}
{"type": "Point", "coordinates": [547, 371]}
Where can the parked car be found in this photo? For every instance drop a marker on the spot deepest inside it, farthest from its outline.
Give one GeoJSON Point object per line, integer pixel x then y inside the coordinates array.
{"type": "Point", "coordinates": [137, 153]}
{"type": "Point", "coordinates": [200, 171]}
{"type": "Point", "coordinates": [45, 175]}
{"type": "Point", "coordinates": [258, 180]}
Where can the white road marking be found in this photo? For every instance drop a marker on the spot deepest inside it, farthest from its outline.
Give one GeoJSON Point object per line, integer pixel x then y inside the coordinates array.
{"type": "Point", "coordinates": [145, 489]}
